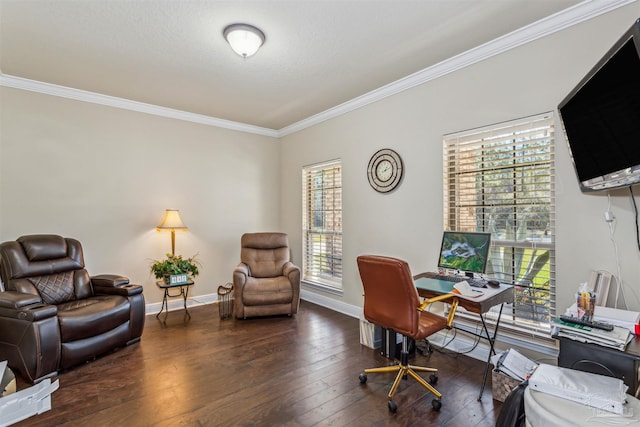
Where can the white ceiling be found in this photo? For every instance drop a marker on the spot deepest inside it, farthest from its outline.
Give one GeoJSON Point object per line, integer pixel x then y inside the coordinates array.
{"type": "Point", "coordinates": [318, 54]}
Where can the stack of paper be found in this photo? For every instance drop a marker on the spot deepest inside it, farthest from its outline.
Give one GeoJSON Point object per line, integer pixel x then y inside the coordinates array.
{"type": "Point", "coordinates": [513, 364]}
{"type": "Point", "coordinates": [370, 334]}
{"type": "Point", "coordinates": [618, 338]}
{"type": "Point", "coordinates": [623, 318]}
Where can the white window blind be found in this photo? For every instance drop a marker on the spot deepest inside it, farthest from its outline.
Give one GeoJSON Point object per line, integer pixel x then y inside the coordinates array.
{"type": "Point", "coordinates": [322, 224]}
{"type": "Point", "coordinates": [500, 179]}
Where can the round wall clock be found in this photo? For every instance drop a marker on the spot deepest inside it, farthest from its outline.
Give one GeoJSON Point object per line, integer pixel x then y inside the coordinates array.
{"type": "Point", "coordinates": [385, 170]}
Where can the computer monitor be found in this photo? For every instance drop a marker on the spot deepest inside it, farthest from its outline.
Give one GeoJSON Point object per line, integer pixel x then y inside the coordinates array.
{"type": "Point", "coordinates": [465, 251]}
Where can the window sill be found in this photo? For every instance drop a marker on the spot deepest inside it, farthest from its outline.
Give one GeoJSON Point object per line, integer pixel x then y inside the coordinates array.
{"type": "Point", "coordinates": [322, 287]}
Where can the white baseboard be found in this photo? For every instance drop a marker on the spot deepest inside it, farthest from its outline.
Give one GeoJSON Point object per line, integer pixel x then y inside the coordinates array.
{"type": "Point", "coordinates": [331, 303]}
{"type": "Point", "coordinates": [178, 303]}
{"type": "Point", "coordinates": [462, 343]}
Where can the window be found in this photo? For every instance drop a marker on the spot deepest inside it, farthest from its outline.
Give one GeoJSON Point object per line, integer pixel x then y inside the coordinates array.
{"type": "Point", "coordinates": [322, 224]}
{"type": "Point", "coordinates": [500, 179]}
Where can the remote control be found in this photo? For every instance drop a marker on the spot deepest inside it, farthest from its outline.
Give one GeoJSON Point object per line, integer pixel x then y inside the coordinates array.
{"type": "Point", "coordinates": [593, 324]}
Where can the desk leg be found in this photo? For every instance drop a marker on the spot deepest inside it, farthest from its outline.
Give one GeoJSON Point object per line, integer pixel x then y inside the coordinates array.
{"type": "Point", "coordinates": [492, 351]}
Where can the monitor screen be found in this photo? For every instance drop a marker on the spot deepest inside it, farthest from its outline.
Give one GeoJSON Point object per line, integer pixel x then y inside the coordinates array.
{"type": "Point", "coordinates": [465, 251]}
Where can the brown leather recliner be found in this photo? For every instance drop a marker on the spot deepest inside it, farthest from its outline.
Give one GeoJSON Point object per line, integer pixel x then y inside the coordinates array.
{"type": "Point", "coordinates": [265, 282]}
{"type": "Point", "coordinates": [53, 315]}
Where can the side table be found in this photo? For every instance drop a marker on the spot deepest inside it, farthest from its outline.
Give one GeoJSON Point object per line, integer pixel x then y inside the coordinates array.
{"type": "Point", "coordinates": [183, 291]}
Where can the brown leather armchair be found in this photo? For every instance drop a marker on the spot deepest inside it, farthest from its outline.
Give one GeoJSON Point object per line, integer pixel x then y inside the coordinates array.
{"type": "Point", "coordinates": [265, 282]}
{"type": "Point", "coordinates": [53, 315]}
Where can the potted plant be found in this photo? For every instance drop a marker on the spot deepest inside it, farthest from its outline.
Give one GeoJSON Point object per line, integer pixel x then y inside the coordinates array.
{"type": "Point", "coordinates": [175, 265]}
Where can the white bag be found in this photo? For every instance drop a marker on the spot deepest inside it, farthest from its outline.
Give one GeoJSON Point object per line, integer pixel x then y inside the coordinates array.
{"type": "Point", "coordinates": [599, 391]}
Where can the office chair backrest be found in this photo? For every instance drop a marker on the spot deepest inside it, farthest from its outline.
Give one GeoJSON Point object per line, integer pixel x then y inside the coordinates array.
{"type": "Point", "coordinates": [390, 297]}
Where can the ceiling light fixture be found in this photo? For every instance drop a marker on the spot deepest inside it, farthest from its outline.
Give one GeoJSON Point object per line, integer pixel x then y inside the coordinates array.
{"type": "Point", "coordinates": [245, 39]}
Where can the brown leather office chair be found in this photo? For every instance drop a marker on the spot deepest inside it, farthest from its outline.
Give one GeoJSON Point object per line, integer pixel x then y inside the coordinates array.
{"type": "Point", "coordinates": [391, 301]}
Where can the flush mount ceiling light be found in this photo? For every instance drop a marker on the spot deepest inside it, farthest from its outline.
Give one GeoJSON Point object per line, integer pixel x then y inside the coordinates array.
{"type": "Point", "coordinates": [245, 40]}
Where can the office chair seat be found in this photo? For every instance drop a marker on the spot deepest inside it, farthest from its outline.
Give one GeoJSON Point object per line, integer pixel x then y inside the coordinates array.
{"type": "Point", "coordinates": [391, 301]}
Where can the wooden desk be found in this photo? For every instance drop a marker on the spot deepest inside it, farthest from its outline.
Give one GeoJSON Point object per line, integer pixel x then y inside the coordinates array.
{"type": "Point", "coordinates": [428, 288]}
{"type": "Point", "coordinates": [491, 296]}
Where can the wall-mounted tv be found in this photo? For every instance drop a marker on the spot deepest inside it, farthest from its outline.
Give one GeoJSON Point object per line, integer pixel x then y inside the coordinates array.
{"type": "Point", "coordinates": [601, 118]}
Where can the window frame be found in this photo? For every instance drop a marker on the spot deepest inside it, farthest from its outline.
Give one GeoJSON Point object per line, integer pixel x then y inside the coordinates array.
{"type": "Point", "coordinates": [322, 222]}
{"type": "Point", "coordinates": [524, 136]}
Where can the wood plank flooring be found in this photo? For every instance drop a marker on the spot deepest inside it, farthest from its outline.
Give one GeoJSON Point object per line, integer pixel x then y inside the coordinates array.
{"type": "Point", "coordinates": [293, 371]}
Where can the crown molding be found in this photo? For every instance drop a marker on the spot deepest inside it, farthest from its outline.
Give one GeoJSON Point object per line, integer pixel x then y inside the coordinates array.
{"type": "Point", "coordinates": [564, 19]}
{"type": "Point", "coordinates": [571, 16]}
{"type": "Point", "coordinates": [127, 104]}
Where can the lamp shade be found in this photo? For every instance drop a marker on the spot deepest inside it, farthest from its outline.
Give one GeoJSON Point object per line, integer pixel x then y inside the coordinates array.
{"type": "Point", "coordinates": [172, 221]}
{"type": "Point", "coordinates": [245, 40]}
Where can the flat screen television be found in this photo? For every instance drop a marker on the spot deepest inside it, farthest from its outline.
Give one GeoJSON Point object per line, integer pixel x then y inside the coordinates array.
{"type": "Point", "coordinates": [601, 118]}
{"type": "Point", "coordinates": [465, 251]}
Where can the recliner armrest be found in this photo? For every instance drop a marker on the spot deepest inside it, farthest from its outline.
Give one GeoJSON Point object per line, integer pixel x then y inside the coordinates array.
{"type": "Point", "coordinates": [109, 280]}
{"type": "Point", "coordinates": [242, 269]}
{"type": "Point", "coordinates": [23, 306]}
{"type": "Point", "coordinates": [290, 269]}
{"type": "Point", "coordinates": [12, 299]}
{"type": "Point", "coordinates": [112, 284]}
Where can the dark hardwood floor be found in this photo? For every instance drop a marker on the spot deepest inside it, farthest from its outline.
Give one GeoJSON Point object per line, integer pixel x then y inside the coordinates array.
{"type": "Point", "coordinates": [298, 371]}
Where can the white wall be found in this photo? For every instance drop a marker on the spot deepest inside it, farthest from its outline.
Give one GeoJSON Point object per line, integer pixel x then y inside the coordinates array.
{"type": "Point", "coordinates": [105, 176]}
{"type": "Point", "coordinates": [408, 222]}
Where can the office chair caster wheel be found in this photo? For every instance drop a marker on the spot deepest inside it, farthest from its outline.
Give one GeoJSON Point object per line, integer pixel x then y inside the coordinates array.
{"type": "Point", "coordinates": [436, 404]}
{"type": "Point", "coordinates": [393, 406]}
{"type": "Point", "coordinates": [362, 378]}
{"type": "Point", "coordinates": [433, 379]}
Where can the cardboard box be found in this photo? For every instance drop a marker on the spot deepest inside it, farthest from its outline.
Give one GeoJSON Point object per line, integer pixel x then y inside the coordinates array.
{"type": "Point", "coordinates": [502, 385]}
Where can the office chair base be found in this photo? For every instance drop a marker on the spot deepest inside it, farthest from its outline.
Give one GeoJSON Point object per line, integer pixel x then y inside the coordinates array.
{"type": "Point", "coordinates": [402, 372]}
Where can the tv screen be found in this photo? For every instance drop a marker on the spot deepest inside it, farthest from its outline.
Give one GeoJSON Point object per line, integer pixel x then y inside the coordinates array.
{"type": "Point", "coordinates": [464, 251]}
{"type": "Point", "coordinates": [601, 118]}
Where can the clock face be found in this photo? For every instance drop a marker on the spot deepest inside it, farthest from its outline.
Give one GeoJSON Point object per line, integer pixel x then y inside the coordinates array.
{"type": "Point", "coordinates": [385, 170]}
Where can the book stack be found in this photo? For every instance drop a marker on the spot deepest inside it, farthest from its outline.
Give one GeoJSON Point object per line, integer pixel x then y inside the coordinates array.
{"type": "Point", "coordinates": [618, 338]}
{"type": "Point", "coordinates": [370, 334]}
